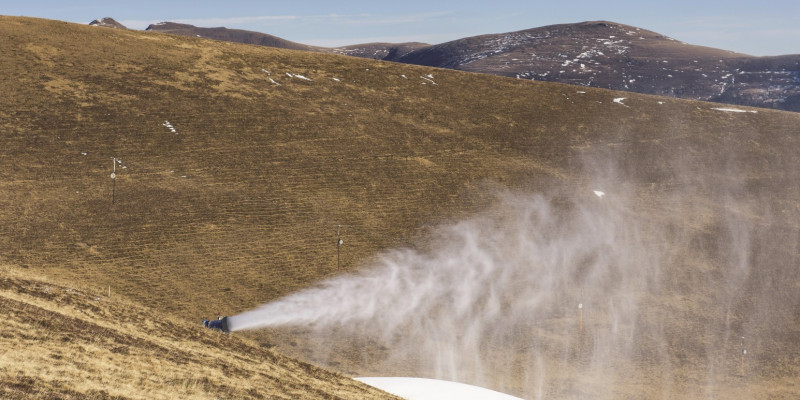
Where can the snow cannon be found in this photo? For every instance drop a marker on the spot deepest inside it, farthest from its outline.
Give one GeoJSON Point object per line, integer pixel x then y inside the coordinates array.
{"type": "Point", "coordinates": [220, 324]}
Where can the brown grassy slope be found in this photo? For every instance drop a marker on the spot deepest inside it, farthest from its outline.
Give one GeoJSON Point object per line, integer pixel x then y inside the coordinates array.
{"type": "Point", "coordinates": [65, 343]}
{"type": "Point", "coordinates": [242, 204]}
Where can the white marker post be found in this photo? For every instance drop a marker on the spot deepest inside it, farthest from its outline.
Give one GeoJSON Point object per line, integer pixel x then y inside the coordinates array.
{"type": "Point", "coordinates": [114, 181]}
{"type": "Point", "coordinates": [339, 243]}
{"type": "Point", "coordinates": [580, 321]}
{"type": "Point", "coordinates": [744, 353]}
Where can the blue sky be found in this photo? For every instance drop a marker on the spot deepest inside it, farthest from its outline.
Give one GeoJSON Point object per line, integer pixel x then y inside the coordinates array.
{"type": "Point", "coordinates": [768, 27]}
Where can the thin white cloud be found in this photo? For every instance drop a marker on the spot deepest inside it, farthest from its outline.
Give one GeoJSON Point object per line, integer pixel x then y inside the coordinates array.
{"type": "Point", "coordinates": [234, 21]}
{"type": "Point", "coordinates": [714, 22]}
{"type": "Point", "coordinates": [248, 22]}
{"type": "Point", "coordinates": [422, 38]}
{"type": "Point", "coordinates": [213, 22]}
{"type": "Point", "coordinates": [394, 19]}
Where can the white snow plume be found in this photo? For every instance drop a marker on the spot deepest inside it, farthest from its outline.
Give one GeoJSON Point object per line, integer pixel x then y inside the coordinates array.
{"type": "Point", "coordinates": [522, 268]}
{"type": "Point", "coordinates": [672, 266]}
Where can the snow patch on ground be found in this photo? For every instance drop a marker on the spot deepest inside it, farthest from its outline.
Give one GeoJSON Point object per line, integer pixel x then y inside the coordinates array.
{"type": "Point", "coordinates": [428, 78]}
{"type": "Point", "coordinates": [298, 76]}
{"type": "Point", "coordinates": [169, 126]}
{"type": "Point", "coordinates": [433, 389]}
{"type": "Point", "coordinates": [619, 100]}
{"type": "Point", "coordinates": [737, 110]}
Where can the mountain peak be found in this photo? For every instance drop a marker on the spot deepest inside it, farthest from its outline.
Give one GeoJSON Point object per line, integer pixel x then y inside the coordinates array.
{"type": "Point", "coordinates": [108, 22]}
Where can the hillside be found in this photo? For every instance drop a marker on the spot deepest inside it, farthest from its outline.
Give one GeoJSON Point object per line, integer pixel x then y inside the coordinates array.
{"type": "Point", "coordinates": [229, 35]}
{"type": "Point", "coordinates": [594, 54]}
{"type": "Point", "coordinates": [620, 57]}
{"type": "Point", "coordinates": [66, 343]}
{"type": "Point", "coordinates": [238, 164]}
{"type": "Point", "coordinates": [379, 51]}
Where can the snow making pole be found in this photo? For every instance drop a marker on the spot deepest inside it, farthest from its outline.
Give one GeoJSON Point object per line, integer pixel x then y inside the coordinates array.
{"type": "Point", "coordinates": [744, 353]}
{"type": "Point", "coordinates": [339, 243]}
{"type": "Point", "coordinates": [113, 181]}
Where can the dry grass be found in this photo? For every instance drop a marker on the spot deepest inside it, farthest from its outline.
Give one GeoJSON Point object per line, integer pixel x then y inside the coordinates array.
{"type": "Point", "coordinates": [60, 342]}
{"type": "Point", "coordinates": [242, 204]}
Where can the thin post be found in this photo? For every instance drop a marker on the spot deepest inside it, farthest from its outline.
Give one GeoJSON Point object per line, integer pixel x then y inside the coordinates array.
{"type": "Point", "coordinates": [744, 352]}
{"type": "Point", "coordinates": [114, 181]}
{"type": "Point", "coordinates": [580, 321]}
{"type": "Point", "coordinates": [339, 243]}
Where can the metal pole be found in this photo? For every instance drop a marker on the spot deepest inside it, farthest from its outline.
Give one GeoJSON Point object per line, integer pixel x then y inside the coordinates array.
{"type": "Point", "coordinates": [743, 354]}
{"type": "Point", "coordinates": [114, 181]}
{"type": "Point", "coordinates": [339, 243]}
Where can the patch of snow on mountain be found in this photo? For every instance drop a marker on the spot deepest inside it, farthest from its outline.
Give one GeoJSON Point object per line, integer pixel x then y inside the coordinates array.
{"type": "Point", "coordinates": [736, 110]}
{"type": "Point", "coordinates": [428, 78]}
{"type": "Point", "coordinates": [169, 126]}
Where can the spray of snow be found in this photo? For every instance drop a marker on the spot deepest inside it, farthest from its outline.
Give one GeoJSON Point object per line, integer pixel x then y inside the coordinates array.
{"type": "Point", "coordinates": [519, 268]}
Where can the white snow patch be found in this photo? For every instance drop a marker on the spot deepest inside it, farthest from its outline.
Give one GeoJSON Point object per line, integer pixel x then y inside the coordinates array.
{"type": "Point", "coordinates": [169, 126]}
{"type": "Point", "coordinates": [428, 78]}
{"type": "Point", "coordinates": [737, 110]}
{"type": "Point", "coordinates": [433, 389]}
{"type": "Point", "coordinates": [337, 79]}
{"type": "Point", "coordinates": [265, 71]}
{"type": "Point", "coordinates": [404, 77]}
{"type": "Point", "coordinates": [619, 100]}
{"type": "Point", "coordinates": [599, 193]}
{"type": "Point", "coordinates": [273, 81]}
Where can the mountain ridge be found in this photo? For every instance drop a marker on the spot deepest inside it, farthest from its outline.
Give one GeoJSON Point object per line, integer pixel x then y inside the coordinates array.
{"type": "Point", "coordinates": [108, 22]}
{"type": "Point", "coordinates": [593, 53]}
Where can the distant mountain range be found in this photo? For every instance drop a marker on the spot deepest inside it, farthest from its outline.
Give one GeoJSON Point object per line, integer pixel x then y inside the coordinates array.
{"type": "Point", "coordinates": [597, 54]}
